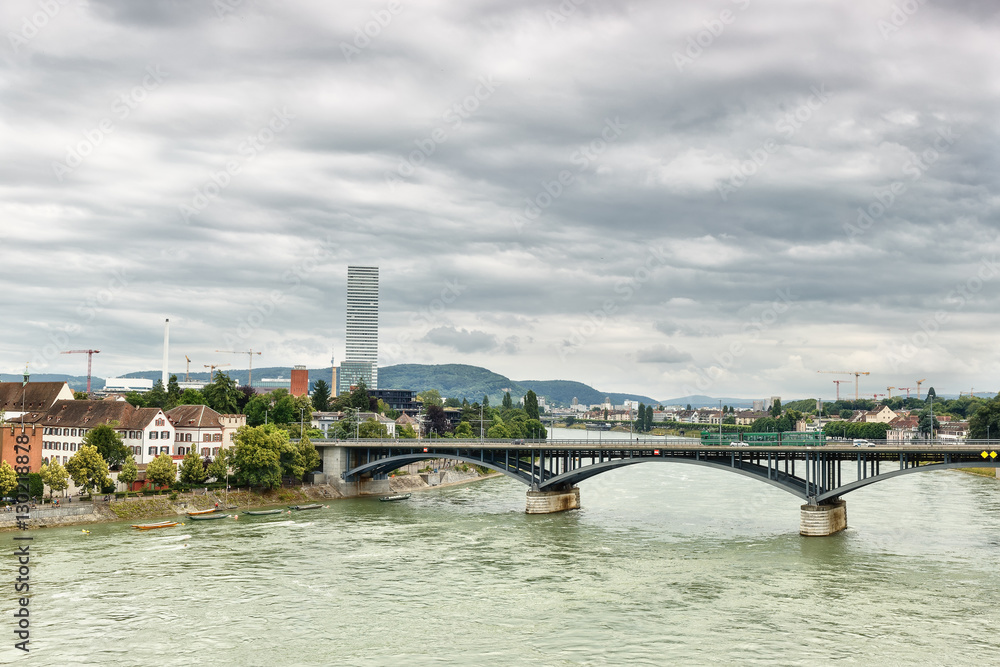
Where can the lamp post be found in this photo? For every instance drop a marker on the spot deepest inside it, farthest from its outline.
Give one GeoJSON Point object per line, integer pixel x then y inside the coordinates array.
{"type": "Point", "coordinates": [302, 429]}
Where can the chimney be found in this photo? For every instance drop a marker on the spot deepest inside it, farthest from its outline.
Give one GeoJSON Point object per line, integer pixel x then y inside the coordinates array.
{"type": "Point", "coordinates": [166, 351]}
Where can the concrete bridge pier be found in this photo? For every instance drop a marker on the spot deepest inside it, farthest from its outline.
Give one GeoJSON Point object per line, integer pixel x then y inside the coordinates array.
{"type": "Point", "coordinates": [336, 460]}
{"type": "Point", "coordinates": [823, 519]}
{"type": "Point", "coordinates": [548, 502]}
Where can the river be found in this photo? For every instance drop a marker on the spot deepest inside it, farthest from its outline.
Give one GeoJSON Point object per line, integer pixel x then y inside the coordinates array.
{"type": "Point", "coordinates": [664, 564]}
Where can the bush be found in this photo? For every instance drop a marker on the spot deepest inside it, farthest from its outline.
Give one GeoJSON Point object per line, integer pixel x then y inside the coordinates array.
{"type": "Point", "coordinates": [173, 496]}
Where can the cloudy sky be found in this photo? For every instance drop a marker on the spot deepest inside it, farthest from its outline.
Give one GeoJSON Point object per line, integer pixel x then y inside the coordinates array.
{"type": "Point", "coordinates": [663, 197]}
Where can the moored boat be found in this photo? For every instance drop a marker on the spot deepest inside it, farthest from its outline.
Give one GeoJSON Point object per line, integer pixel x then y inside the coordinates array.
{"type": "Point", "coordinates": [305, 507]}
{"type": "Point", "coordinates": [262, 512]}
{"type": "Point", "coordinates": [209, 517]}
{"type": "Point", "coordinates": [398, 496]}
{"type": "Point", "coordinates": [200, 512]}
{"type": "Point", "coordinates": [151, 526]}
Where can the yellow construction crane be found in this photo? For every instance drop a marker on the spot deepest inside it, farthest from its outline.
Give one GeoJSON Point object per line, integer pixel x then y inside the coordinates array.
{"type": "Point", "coordinates": [856, 374]}
{"type": "Point", "coordinates": [249, 352]}
{"type": "Point", "coordinates": [919, 382]}
{"type": "Point", "coordinates": [889, 389]}
{"type": "Point", "coordinates": [187, 369]}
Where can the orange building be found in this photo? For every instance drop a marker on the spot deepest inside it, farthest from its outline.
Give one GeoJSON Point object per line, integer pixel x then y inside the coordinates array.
{"type": "Point", "coordinates": [300, 381]}
{"type": "Point", "coordinates": [21, 440]}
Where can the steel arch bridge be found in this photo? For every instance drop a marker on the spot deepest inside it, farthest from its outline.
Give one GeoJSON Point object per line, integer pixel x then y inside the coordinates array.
{"type": "Point", "coordinates": [817, 475]}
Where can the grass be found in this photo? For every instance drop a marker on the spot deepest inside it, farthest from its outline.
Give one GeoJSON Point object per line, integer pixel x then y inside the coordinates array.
{"type": "Point", "coordinates": [982, 472]}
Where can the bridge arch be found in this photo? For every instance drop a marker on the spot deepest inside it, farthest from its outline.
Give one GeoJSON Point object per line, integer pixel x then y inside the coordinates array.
{"type": "Point", "coordinates": [384, 466]}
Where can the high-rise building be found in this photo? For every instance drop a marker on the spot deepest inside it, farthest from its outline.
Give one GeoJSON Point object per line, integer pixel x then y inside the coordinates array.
{"type": "Point", "coordinates": [361, 360]}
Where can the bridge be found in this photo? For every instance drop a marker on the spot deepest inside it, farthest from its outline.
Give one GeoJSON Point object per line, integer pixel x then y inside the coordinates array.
{"type": "Point", "coordinates": [818, 475]}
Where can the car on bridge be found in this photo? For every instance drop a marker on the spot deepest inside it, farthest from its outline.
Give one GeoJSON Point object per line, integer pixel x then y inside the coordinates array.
{"type": "Point", "coordinates": [860, 442]}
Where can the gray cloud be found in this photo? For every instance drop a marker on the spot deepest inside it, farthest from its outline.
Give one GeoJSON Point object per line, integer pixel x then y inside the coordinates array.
{"type": "Point", "coordinates": [662, 354]}
{"type": "Point", "coordinates": [866, 268]}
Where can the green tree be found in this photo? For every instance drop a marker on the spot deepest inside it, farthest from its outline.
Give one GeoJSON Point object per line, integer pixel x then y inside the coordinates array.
{"type": "Point", "coordinates": [507, 402]}
{"type": "Point", "coordinates": [452, 403]}
{"type": "Point", "coordinates": [310, 456]}
{"type": "Point", "coordinates": [191, 397]}
{"type": "Point", "coordinates": [464, 430]}
{"type": "Point", "coordinates": [430, 397]}
{"type": "Point", "coordinates": [776, 408]}
{"type": "Point", "coordinates": [192, 469]}
{"type": "Point", "coordinates": [486, 401]}
{"type": "Point", "coordinates": [498, 431]}
{"type": "Point", "coordinates": [649, 418]}
{"type": "Point", "coordinates": [173, 392]}
{"type": "Point", "coordinates": [8, 479]}
{"type": "Point", "coordinates": [437, 419]}
{"type": "Point", "coordinates": [135, 399]}
{"type": "Point", "coordinates": [321, 396]}
{"type": "Point", "coordinates": [640, 418]}
{"type": "Point", "coordinates": [256, 455]}
{"type": "Point", "coordinates": [55, 476]}
{"type": "Point", "coordinates": [570, 420]}
{"type": "Point", "coordinates": [217, 469]}
{"type": "Point", "coordinates": [109, 444]}
{"type": "Point", "coordinates": [257, 409]}
{"type": "Point", "coordinates": [406, 432]}
{"type": "Point", "coordinates": [535, 430]}
{"type": "Point", "coordinates": [359, 396]}
{"type": "Point", "coordinates": [531, 405]}
{"type": "Point", "coordinates": [222, 394]}
{"type": "Point", "coordinates": [924, 423]}
{"type": "Point", "coordinates": [931, 394]}
{"type": "Point", "coordinates": [156, 397]}
{"type": "Point", "coordinates": [127, 474]}
{"type": "Point", "coordinates": [283, 408]}
{"type": "Point", "coordinates": [371, 428]}
{"type": "Point", "coordinates": [161, 471]}
{"type": "Point", "coordinates": [80, 396]}
{"type": "Point", "coordinates": [88, 469]}
{"type": "Point", "coordinates": [985, 422]}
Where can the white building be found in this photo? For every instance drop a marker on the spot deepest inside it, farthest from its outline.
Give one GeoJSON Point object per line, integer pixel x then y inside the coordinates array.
{"type": "Point", "coordinates": [125, 385]}
{"type": "Point", "coordinates": [362, 323]}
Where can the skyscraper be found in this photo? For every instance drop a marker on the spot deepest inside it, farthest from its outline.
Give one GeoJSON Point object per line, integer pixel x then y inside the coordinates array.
{"type": "Point", "coordinates": [361, 360]}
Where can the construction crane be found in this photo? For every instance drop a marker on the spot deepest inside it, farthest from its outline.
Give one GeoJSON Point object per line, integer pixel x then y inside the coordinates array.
{"type": "Point", "coordinates": [187, 370]}
{"type": "Point", "coordinates": [889, 389]}
{"type": "Point", "coordinates": [971, 393]}
{"type": "Point", "coordinates": [90, 357]}
{"type": "Point", "coordinates": [919, 382]}
{"type": "Point", "coordinates": [212, 368]}
{"type": "Point", "coordinates": [906, 389]}
{"type": "Point", "coordinates": [249, 353]}
{"type": "Point", "coordinates": [876, 396]}
{"type": "Point", "coordinates": [838, 383]}
{"type": "Point", "coordinates": [856, 374]}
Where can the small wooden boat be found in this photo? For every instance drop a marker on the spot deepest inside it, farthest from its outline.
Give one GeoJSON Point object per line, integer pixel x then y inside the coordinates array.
{"type": "Point", "coordinates": [151, 526]}
{"type": "Point", "coordinates": [305, 507]}
{"type": "Point", "coordinates": [200, 512]}
{"type": "Point", "coordinates": [398, 496]}
{"type": "Point", "coordinates": [262, 512]}
{"type": "Point", "coordinates": [209, 517]}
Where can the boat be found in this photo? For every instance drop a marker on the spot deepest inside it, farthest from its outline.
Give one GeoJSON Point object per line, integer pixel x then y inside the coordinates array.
{"type": "Point", "coordinates": [398, 496]}
{"type": "Point", "coordinates": [200, 512]}
{"type": "Point", "coordinates": [151, 526]}
{"type": "Point", "coordinates": [305, 507]}
{"type": "Point", "coordinates": [209, 517]}
{"type": "Point", "coordinates": [262, 512]}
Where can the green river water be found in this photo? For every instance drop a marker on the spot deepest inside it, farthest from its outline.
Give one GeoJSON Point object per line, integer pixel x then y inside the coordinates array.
{"type": "Point", "coordinates": [665, 564]}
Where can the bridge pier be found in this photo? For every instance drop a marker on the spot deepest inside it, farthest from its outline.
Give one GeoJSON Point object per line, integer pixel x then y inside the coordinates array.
{"type": "Point", "coordinates": [336, 460]}
{"type": "Point", "coordinates": [823, 519]}
{"type": "Point", "coordinates": [548, 502]}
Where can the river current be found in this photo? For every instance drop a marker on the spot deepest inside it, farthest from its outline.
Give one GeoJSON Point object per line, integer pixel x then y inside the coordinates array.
{"type": "Point", "coordinates": [664, 564]}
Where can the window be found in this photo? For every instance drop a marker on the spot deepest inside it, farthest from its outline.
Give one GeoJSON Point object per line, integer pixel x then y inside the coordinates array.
{"type": "Point", "coordinates": [153, 435]}
{"type": "Point", "coordinates": [72, 447]}
{"type": "Point", "coordinates": [217, 437]}
{"type": "Point", "coordinates": [187, 437]}
{"type": "Point", "coordinates": [159, 422]}
{"type": "Point", "coordinates": [215, 451]}
{"type": "Point", "coordinates": [180, 451]}
{"type": "Point", "coordinates": [65, 459]}
{"type": "Point", "coordinates": [65, 446]}
{"type": "Point", "coordinates": [204, 452]}
{"type": "Point", "coordinates": [164, 435]}
{"type": "Point", "coordinates": [207, 437]}
{"type": "Point", "coordinates": [164, 450]}
{"type": "Point", "coordinates": [232, 436]}
{"type": "Point", "coordinates": [73, 433]}
{"type": "Point", "coordinates": [152, 451]}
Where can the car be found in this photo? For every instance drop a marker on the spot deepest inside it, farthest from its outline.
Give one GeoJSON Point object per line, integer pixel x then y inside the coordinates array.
{"type": "Point", "coordinates": [860, 442]}
{"type": "Point", "coordinates": [735, 443]}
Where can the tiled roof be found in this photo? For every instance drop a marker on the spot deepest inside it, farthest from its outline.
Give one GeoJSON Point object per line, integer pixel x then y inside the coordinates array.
{"type": "Point", "coordinates": [194, 416]}
{"type": "Point", "coordinates": [87, 414]}
{"type": "Point", "coordinates": [36, 395]}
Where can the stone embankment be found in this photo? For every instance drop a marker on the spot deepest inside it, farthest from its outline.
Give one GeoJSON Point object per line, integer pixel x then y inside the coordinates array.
{"type": "Point", "coordinates": [159, 507]}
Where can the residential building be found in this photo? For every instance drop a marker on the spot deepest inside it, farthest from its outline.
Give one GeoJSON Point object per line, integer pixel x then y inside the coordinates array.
{"type": "Point", "coordinates": [17, 398]}
{"type": "Point", "coordinates": [202, 428]}
{"type": "Point", "coordinates": [403, 400]}
{"type": "Point", "coordinates": [362, 325]}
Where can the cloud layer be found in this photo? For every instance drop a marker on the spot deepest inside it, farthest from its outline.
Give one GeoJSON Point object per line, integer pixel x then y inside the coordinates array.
{"type": "Point", "coordinates": [661, 197]}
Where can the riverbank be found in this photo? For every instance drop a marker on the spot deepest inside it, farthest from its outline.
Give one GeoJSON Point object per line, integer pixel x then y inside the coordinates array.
{"type": "Point", "coordinates": [161, 507]}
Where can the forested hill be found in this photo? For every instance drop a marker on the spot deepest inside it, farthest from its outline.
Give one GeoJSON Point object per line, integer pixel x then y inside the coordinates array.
{"type": "Point", "coordinates": [473, 382]}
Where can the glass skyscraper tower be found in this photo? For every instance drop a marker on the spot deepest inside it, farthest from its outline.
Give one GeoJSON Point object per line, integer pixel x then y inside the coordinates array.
{"type": "Point", "coordinates": [361, 360]}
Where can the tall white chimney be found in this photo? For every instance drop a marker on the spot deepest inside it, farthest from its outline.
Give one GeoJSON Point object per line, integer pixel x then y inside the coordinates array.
{"type": "Point", "coordinates": [166, 350]}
